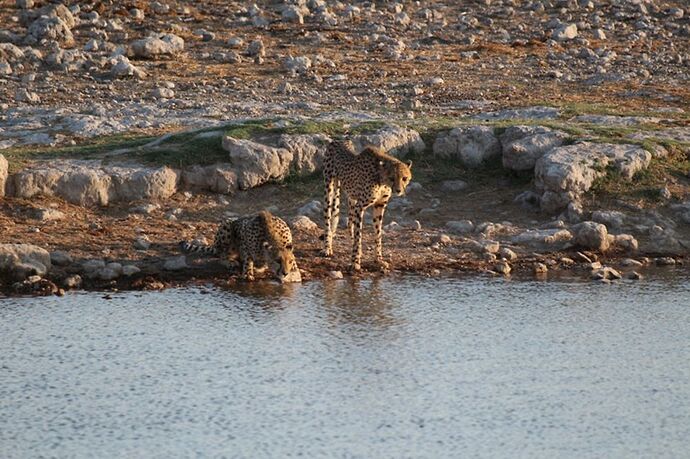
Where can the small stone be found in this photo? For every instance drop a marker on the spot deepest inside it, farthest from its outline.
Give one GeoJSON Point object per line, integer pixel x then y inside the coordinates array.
{"type": "Point", "coordinates": [502, 267]}
{"type": "Point", "coordinates": [163, 93]}
{"type": "Point", "coordinates": [565, 32]}
{"type": "Point", "coordinates": [335, 274]}
{"type": "Point", "coordinates": [634, 275]}
{"type": "Point", "coordinates": [540, 268]}
{"type": "Point", "coordinates": [507, 254]}
{"type": "Point", "coordinates": [665, 261]}
{"type": "Point", "coordinates": [48, 215]}
{"type": "Point", "coordinates": [142, 243]}
{"type": "Point", "coordinates": [22, 95]}
{"type": "Point", "coordinates": [73, 281]}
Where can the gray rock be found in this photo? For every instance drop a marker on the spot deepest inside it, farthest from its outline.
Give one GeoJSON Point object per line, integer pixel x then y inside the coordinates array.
{"type": "Point", "coordinates": [626, 242]}
{"type": "Point", "coordinates": [133, 184]}
{"type": "Point", "coordinates": [256, 49]}
{"type": "Point", "coordinates": [158, 45]}
{"type": "Point", "coordinates": [395, 140]}
{"type": "Point", "coordinates": [48, 215]}
{"type": "Point", "coordinates": [130, 270]}
{"type": "Point", "coordinates": [592, 235]}
{"type": "Point", "coordinates": [22, 95]}
{"type": "Point", "coordinates": [122, 67]}
{"type": "Point", "coordinates": [551, 240]}
{"type": "Point", "coordinates": [175, 263]}
{"type": "Point", "coordinates": [453, 185]}
{"type": "Point", "coordinates": [502, 267]}
{"type": "Point", "coordinates": [142, 243]}
{"type": "Point", "coordinates": [72, 281]}
{"type": "Point", "coordinates": [304, 224]}
{"type": "Point", "coordinates": [565, 173]}
{"type": "Point", "coordinates": [472, 145]}
{"type": "Point", "coordinates": [257, 163]}
{"type": "Point", "coordinates": [50, 28]}
{"type": "Point", "coordinates": [460, 227]}
{"type": "Point", "coordinates": [107, 274]}
{"type": "Point", "coordinates": [312, 209]}
{"type": "Point", "coordinates": [529, 113]}
{"type": "Point", "coordinates": [613, 219]}
{"type": "Point", "coordinates": [218, 178]}
{"type": "Point", "coordinates": [90, 268]}
{"type": "Point", "coordinates": [307, 151]}
{"type": "Point", "coordinates": [564, 32]}
{"type": "Point", "coordinates": [19, 261]}
{"type": "Point", "coordinates": [522, 146]}
{"type": "Point", "coordinates": [507, 254]}
{"type": "Point", "coordinates": [299, 64]}
{"type": "Point", "coordinates": [664, 242]}
{"type": "Point", "coordinates": [60, 258]}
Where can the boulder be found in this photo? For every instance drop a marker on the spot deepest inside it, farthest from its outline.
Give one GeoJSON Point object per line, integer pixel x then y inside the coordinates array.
{"type": "Point", "coordinates": [84, 186]}
{"type": "Point", "coordinates": [19, 261]}
{"type": "Point", "coordinates": [395, 140]}
{"type": "Point", "coordinates": [564, 32]}
{"type": "Point", "coordinates": [472, 145]}
{"type": "Point", "coordinates": [592, 235]}
{"type": "Point", "coordinates": [60, 258]}
{"type": "Point", "coordinates": [49, 28]}
{"type": "Point", "coordinates": [122, 67]}
{"type": "Point", "coordinates": [218, 178]}
{"type": "Point", "coordinates": [460, 227]}
{"type": "Point", "coordinates": [312, 209]}
{"type": "Point", "coordinates": [257, 163]}
{"type": "Point", "coordinates": [3, 174]}
{"type": "Point", "coordinates": [522, 146]}
{"type": "Point", "coordinates": [613, 219]}
{"type": "Point", "coordinates": [626, 242]}
{"type": "Point", "coordinates": [133, 184]}
{"type": "Point", "coordinates": [175, 263]}
{"type": "Point", "coordinates": [549, 240]}
{"type": "Point", "coordinates": [304, 224]}
{"type": "Point", "coordinates": [565, 173]}
{"type": "Point", "coordinates": [158, 45]}
{"type": "Point", "coordinates": [307, 151]}
{"type": "Point", "coordinates": [663, 241]}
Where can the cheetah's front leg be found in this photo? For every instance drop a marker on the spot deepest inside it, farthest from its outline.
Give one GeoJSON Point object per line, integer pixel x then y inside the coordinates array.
{"type": "Point", "coordinates": [329, 199]}
{"type": "Point", "coordinates": [358, 214]}
{"type": "Point", "coordinates": [379, 209]}
{"type": "Point", "coordinates": [248, 268]}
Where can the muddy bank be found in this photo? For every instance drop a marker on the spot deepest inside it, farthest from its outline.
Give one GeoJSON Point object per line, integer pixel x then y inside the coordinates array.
{"type": "Point", "coordinates": [136, 247]}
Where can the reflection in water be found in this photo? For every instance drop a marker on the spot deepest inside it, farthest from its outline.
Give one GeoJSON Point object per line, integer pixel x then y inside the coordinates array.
{"type": "Point", "coordinates": [391, 367]}
{"type": "Point", "coordinates": [359, 302]}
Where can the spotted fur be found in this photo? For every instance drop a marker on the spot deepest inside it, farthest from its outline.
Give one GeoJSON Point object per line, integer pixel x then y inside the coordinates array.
{"type": "Point", "coordinates": [258, 239]}
{"type": "Point", "coordinates": [369, 178]}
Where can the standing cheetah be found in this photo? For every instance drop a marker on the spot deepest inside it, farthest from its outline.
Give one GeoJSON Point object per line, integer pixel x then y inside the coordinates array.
{"type": "Point", "coordinates": [262, 238]}
{"type": "Point", "coordinates": [369, 178]}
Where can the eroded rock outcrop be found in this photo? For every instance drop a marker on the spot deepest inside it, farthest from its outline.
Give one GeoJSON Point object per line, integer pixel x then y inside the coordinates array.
{"type": "Point", "coordinates": [257, 163]}
{"type": "Point", "coordinates": [565, 173]}
{"type": "Point", "coordinates": [19, 261]}
{"type": "Point", "coordinates": [472, 145]}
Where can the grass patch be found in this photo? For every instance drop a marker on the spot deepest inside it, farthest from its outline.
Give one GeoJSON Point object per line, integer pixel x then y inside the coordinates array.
{"type": "Point", "coordinates": [645, 184]}
{"type": "Point", "coordinates": [18, 157]}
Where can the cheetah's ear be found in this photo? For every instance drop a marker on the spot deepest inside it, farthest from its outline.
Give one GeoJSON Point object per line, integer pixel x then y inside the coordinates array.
{"type": "Point", "coordinates": [409, 164]}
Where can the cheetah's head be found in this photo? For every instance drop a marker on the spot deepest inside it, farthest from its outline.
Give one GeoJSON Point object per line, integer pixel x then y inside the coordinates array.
{"type": "Point", "coordinates": [282, 259]}
{"type": "Point", "coordinates": [397, 175]}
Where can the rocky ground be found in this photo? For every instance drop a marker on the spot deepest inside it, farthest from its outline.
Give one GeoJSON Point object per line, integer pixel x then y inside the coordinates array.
{"type": "Point", "coordinates": [545, 134]}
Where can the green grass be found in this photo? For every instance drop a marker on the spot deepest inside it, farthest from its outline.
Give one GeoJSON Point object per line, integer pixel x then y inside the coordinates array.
{"type": "Point", "coordinates": [18, 157]}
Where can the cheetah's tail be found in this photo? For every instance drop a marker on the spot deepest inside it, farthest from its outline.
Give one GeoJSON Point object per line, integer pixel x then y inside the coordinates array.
{"type": "Point", "coordinates": [190, 247]}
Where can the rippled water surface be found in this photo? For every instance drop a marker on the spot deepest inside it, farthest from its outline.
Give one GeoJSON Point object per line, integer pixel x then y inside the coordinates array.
{"type": "Point", "coordinates": [405, 367]}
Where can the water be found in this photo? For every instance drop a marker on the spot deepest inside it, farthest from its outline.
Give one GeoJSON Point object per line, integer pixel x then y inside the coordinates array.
{"type": "Point", "coordinates": [405, 367]}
